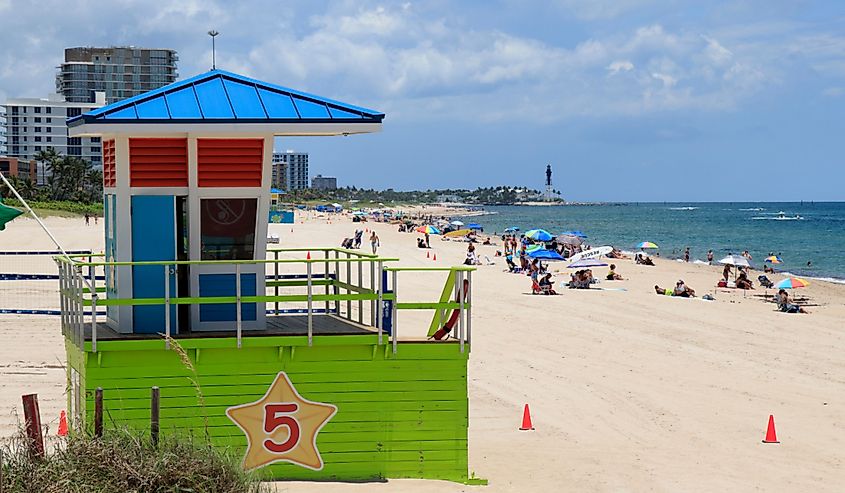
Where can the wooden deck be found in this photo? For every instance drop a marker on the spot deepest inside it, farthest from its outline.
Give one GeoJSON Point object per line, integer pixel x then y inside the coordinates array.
{"type": "Point", "coordinates": [277, 325]}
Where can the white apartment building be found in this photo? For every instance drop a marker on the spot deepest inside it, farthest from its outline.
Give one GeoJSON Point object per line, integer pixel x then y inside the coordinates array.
{"type": "Point", "coordinates": [35, 124]}
{"type": "Point", "coordinates": [290, 170]}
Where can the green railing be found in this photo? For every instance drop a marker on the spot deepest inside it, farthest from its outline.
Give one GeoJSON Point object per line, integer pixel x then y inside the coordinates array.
{"type": "Point", "coordinates": [459, 280]}
{"type": "Point", "coordinates": [346, 283]}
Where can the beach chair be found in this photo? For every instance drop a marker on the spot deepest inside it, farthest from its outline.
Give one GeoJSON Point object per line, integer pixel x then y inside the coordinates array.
{"type": "Point", "coordinates": [765, 282]}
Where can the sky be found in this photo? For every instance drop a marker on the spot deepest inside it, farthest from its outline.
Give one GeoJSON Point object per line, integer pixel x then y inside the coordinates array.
{"type": "Point", "coordinates": [628, 100]}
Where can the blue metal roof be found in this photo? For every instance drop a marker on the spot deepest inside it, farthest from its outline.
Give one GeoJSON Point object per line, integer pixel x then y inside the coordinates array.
{"type": "Point", "coordinates": [223, 97]}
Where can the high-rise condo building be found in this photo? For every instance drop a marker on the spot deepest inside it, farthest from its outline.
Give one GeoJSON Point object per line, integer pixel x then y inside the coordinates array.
{"type": "Point", "coordinates": [119, 72]}
{"type": "Point", "coordinates": [290, 170]}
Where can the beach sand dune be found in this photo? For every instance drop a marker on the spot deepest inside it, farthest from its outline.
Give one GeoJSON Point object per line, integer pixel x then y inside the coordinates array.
{"type": "Point", "coordinates": [629, 391]}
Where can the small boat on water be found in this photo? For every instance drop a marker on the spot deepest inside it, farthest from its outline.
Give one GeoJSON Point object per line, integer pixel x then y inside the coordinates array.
{"type": "Point", "coordinates": [780, 216]}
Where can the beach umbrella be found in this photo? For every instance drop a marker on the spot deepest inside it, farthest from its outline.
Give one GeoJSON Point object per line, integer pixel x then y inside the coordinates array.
{"type": "Point", "coordinates": [576, 232]}
{"type": "Point", "coordinates": [457, 233]}
{"type": "Point", "coordinates": [735, 260]}
{"type": "Point", "coordinates": [774, 259]}
{"type": "Point", "coordinates": [428, 229]}
{"type": "Point", "coordinates": [586, 262]}
{"type": "Point", "coordinates": [533, 248]}
{"type": "Point", "coordinates": [474, 226]}
{"type": "Point", "coordinates": [456, 223]}
{"type": "Point", "coordinates": [7, 214]}
{"type": "Point", "coordinates": [359, 213]}
{"type": "Point", "coordinates": [647, 244]}
{"type": "Point", "coordinates": [569, 240]}
{"type": "Point", "coordinates": [538, 235]}
{"type": "Point", "coordinates": [544, 254]}
{"type": "Point", "coordinates": [792, 283]}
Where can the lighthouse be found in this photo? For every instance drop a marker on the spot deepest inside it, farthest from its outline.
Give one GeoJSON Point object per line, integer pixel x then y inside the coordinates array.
{"type": "Point", "coordinates": [549, 196]}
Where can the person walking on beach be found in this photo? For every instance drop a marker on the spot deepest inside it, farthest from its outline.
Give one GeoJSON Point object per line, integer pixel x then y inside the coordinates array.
{"type": "Point", "coordinates": [374, 241]}
{"type": "Point", "coordinates": [710, 257]}
{"type": "Point", "coordinates": [87, 219]}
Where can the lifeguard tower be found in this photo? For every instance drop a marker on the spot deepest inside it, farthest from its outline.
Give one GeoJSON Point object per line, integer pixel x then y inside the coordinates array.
{"type": "Point", "coordinates": [292, 357]}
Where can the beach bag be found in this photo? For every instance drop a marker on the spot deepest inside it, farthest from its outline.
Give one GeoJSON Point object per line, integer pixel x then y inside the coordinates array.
{"type": "Point", "coordinates": [722, 284]}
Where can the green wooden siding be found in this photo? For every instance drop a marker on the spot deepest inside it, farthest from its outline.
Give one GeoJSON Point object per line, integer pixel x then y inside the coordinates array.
{"type": "Point", "coordinates": [402, 415]}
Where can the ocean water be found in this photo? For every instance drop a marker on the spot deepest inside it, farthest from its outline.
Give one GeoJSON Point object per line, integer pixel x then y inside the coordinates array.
{"type": "Point", "coordinates": [725, 227]}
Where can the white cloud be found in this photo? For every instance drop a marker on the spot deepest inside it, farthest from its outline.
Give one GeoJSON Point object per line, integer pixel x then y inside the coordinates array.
{"type": "Point", "coordinates": [592, 10]}
{"type": "Point", "coordinates": [415, 61]}
{"type": "Point", "coordinates": [716, 52]}
{"type": "Point", "coordinates": [833, 92]}
{"type": "Point", "coordinates": [668, 80]}
{"type": "Point", "coordinates": [619, 65]}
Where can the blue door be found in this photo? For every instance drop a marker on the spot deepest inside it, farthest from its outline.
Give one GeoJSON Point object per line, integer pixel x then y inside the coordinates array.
{"type": "Point", "coordinates": [153, 239]}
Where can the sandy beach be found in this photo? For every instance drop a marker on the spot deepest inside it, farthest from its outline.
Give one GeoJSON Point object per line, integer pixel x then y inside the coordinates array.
{"type": "Point", "coordinates": [629, 391]}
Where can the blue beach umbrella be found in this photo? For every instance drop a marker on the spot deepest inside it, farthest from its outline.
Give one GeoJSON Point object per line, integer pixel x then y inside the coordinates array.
{"type": "Point", "coordinates": [547, 255]}
{"type": "Point", "coordinates": [474, 226]}
{"type": "Point", "coordinates": [538, 235]}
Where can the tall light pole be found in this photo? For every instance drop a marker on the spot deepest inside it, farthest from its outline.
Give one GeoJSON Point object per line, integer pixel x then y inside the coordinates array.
{"type": "Point", "coordinates": [213, 35]}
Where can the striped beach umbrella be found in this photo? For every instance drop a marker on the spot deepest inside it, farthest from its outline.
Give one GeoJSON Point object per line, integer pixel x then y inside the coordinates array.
{"type": "Point", "coordinates": [647, 244]}
{"type": "Point", "coordinates": [533, 248]}
{"type": "Point", "coordinates": [792, 283]}
{"type": "Point", "coordinates": [428, 229]}
{"type": "Point", "coordinates": [539, 235]}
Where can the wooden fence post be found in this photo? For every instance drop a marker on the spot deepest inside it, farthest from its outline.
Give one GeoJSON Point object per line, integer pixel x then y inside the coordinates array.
{"type": "Point", "coordinates": [32, 416]}
{"type": "Point", "coordinates": [98, 412]}
{"type": "Point", "coordinates": [155, 403]}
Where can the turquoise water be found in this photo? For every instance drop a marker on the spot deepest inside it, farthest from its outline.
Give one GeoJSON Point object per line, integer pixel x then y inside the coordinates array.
{"type": "Point", "coordinates": [819, 237]}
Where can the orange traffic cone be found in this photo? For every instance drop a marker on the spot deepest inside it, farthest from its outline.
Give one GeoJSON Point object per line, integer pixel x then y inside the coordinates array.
{"type": "Point", "coordinates": [427, 255]}
{"type": "Point", "coordinates": [62, 424]}
{"type": "Point", "coordinates": [526, 420]}
{"type": "Point", "coordinates": [308, 256]}
{"type": "Point", "coordinates": [435, 257]}
{"type": "Point", "coordinates": [771, 436]}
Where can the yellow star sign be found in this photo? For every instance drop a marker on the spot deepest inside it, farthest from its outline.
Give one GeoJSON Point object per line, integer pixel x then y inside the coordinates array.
{"type": "Point", "coordinates": [282, 426]}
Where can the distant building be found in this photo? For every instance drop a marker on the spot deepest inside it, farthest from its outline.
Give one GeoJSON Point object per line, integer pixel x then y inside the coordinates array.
{"type": "Point", "coordinates": [119, 72]}
{"type": "Point", "coordinates": [36, 124]}
{"type": "Point", "coordinates": [453, 199]}
{"type": "Point", "coordinates": [320, 182]}
{"type": "Point", "coordinates": [12, 166]}
{"type": "Point", "coordinates": [290, 170]}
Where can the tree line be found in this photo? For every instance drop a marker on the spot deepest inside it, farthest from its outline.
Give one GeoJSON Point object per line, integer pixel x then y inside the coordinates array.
{"type": "Point", "coordinates": [501, 195]}
{"type": "Point", "coordinates": [68, 178]}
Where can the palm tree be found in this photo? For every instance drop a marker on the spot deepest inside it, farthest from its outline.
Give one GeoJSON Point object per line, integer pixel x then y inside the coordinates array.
{"type": "Point", "coordinates": [46, 158]}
